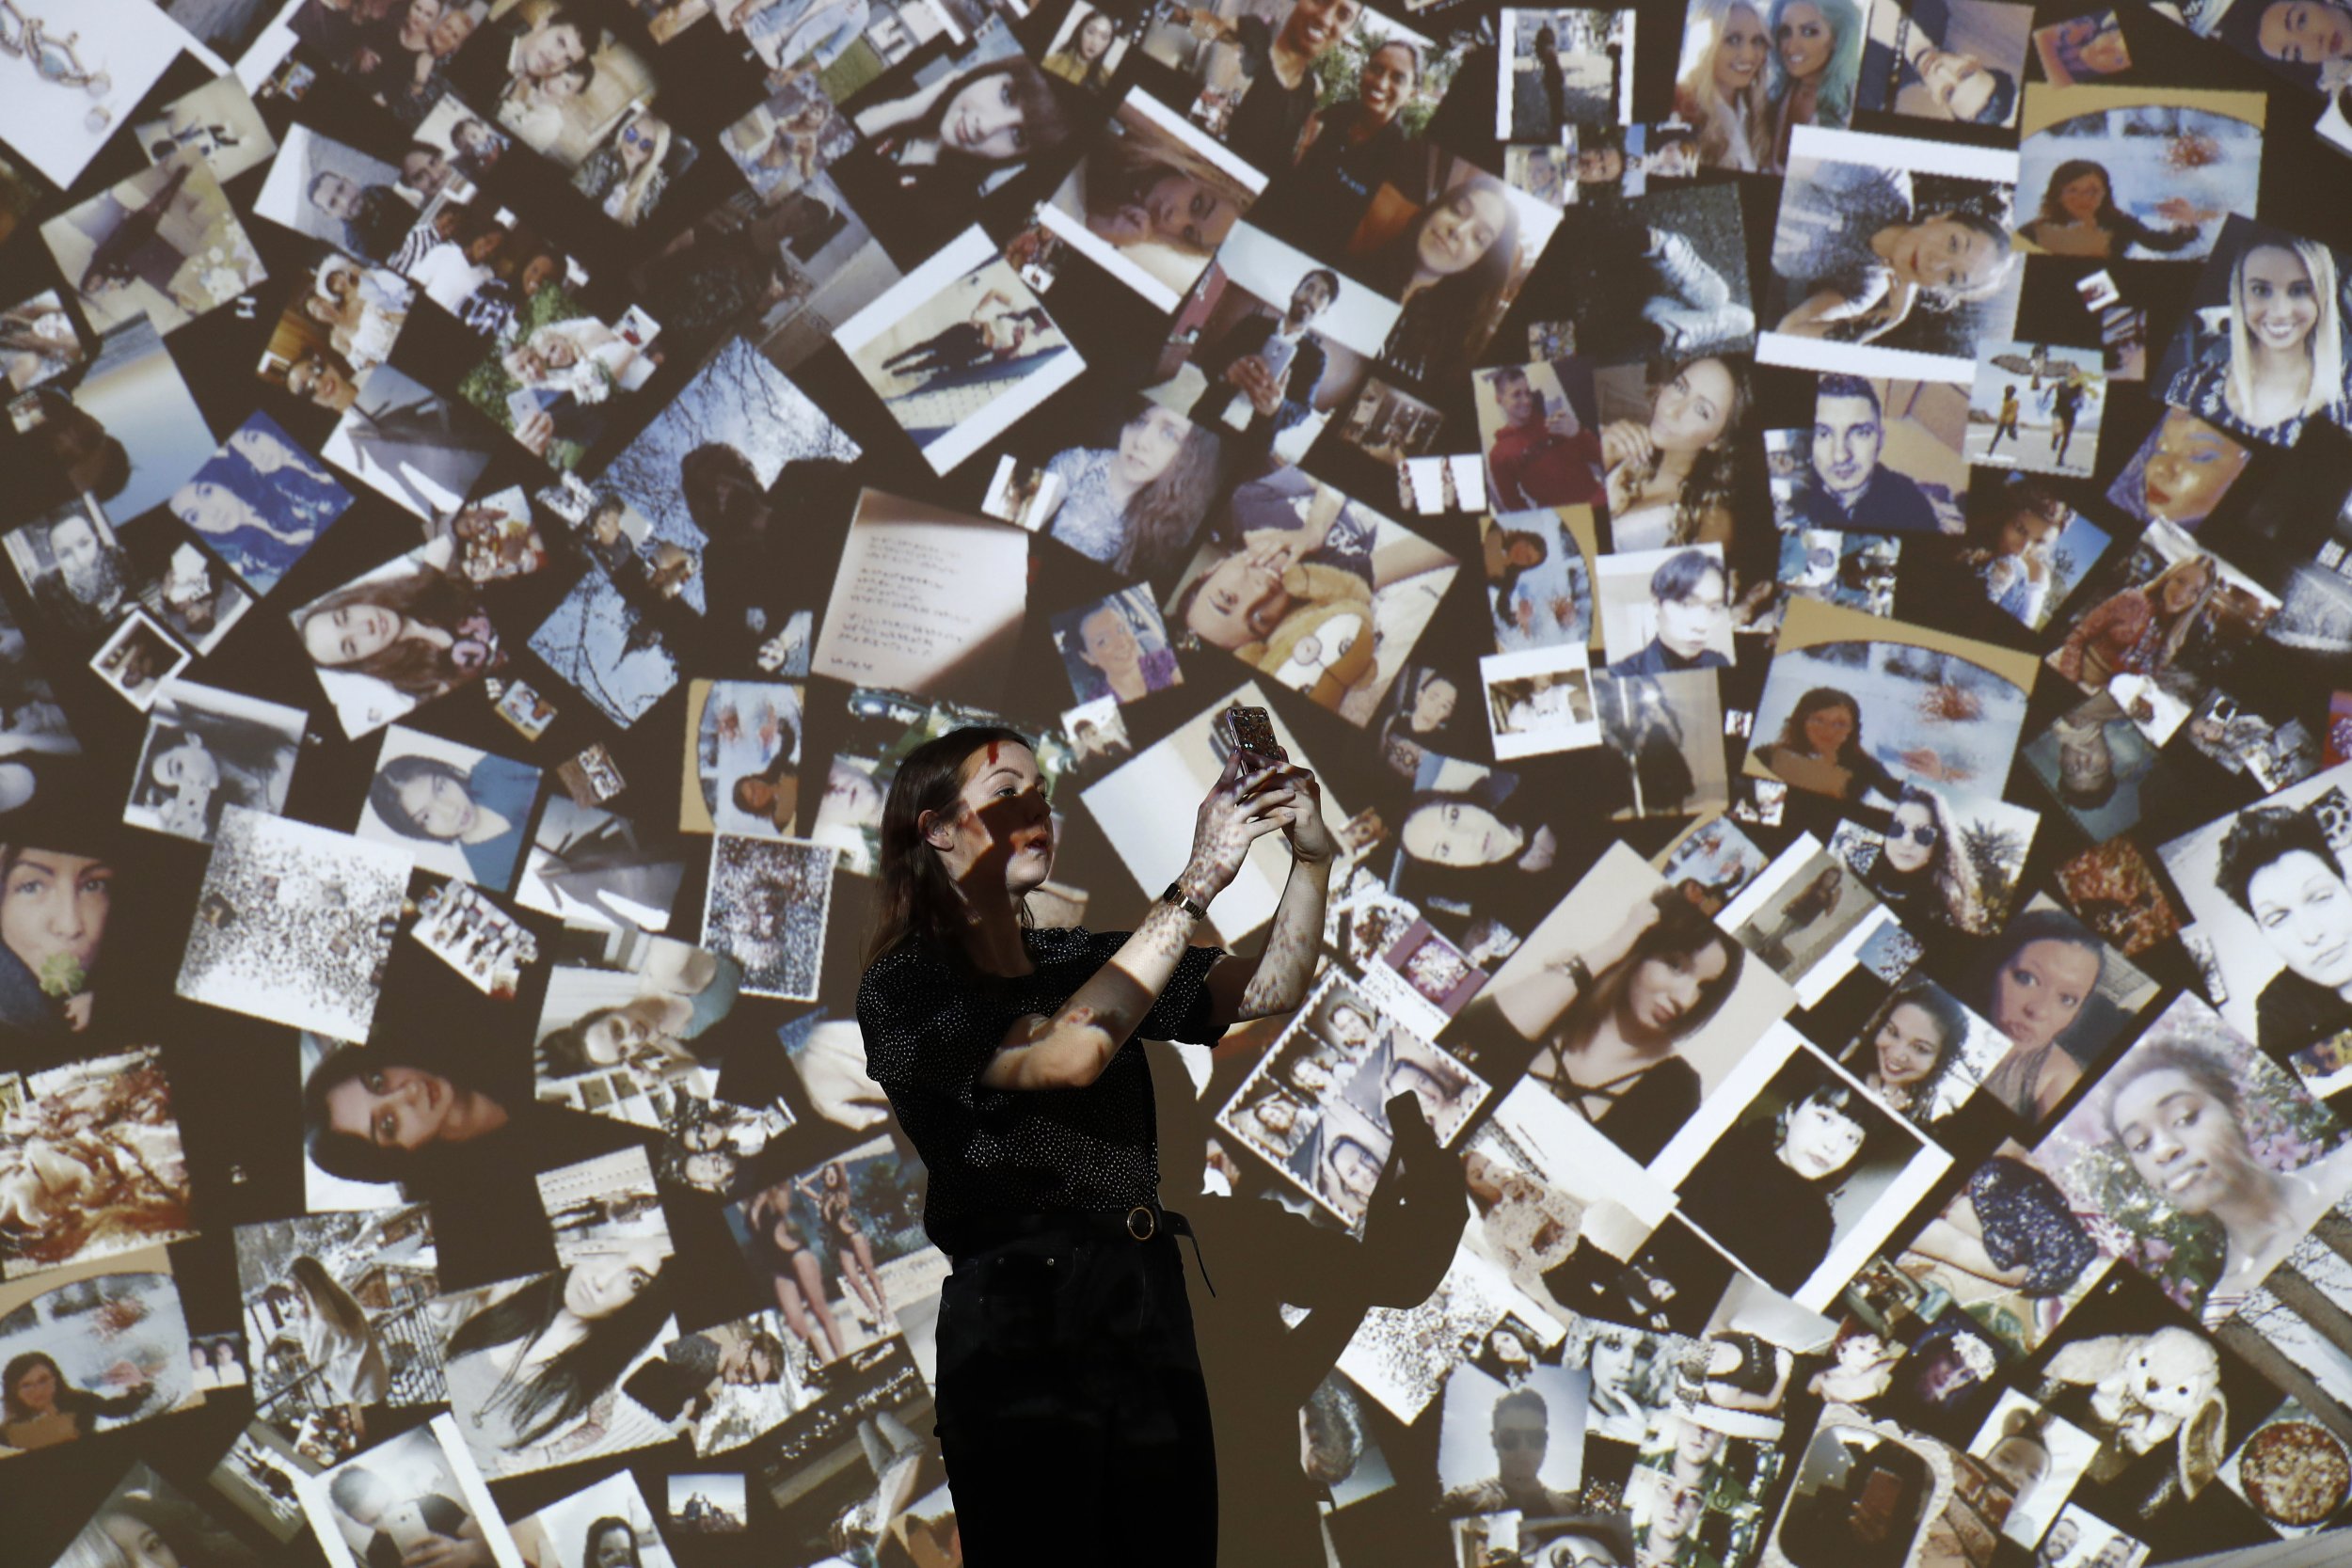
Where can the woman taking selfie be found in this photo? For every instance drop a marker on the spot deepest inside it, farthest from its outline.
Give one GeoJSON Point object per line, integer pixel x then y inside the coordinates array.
{"type": "Point", "coordinates": [1068, 1381]}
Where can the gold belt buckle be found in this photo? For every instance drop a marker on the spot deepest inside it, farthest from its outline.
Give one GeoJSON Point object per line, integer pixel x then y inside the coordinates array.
{"type": "Point", "coordinates": [1150, 1223]}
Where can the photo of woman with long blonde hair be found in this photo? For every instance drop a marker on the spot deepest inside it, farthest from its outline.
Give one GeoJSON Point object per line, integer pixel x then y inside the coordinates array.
{"type": "Point", "coordinates": [1721, 87]}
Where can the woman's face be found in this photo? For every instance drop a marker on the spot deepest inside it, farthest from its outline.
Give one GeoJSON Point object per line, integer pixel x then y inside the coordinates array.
{"type": "Point", "coordinates": [2189, 468]}
{"type": "Point", "coordinates": [1613, 1361]}
{"type": "Point", "coordinates": [1432, 705]}
{"type": "Point", "coordinates": [37, 1389]}
{"type": "Point", "coordinates": [1739, 55]}
{"type": "Point", "coordinates": [1806, 40]}
{"type": "Point", "coordinates": [1350, 1027]}
{"type": "Point", "coordinates": [602, 1283]}
{"type": "Point", "coordinates": [612, 1037]}
{"type": "Point", "coordinates": [1910, 842]}
{"type": "Point", "coordinates": [2182, 1140]}
{"type": "Point", "coordinates": [1241, 600]}
{"type": "Point", "coordinates": [187, 768]}
{"type": "Point", "coordinates": [1462, 229]}
{"type": "Point", "coordinates": [1094, 37]}
{"type": "Point", "coordinates": [1353, 1168]}
{"type": "Point", "coordinates": [1148, 444]}
{"type": "Point", "coordinates": [2281, 306]}
{"type": "Point", "coordinates": [1692, 410]}
{"type": "Point", "coordinates": [1276, 1117]}
{"type": "Point", "coordinates": [75, 544]}
{"type": "Point", "coordinates": [1387, 81]}
{"type": "Point", "coordinates": [984, 119]}
{"type": "Point", "coordinates": [2303, 32]}
{"type": "Point", "coordinates": [2184, 589]}
{"type": "Point", "coordinates": [1002, 809]}
{"type": "Point", "coordinates": [440, 807]}
{"type": "Point", "coordinates": [1315, 26]}
{"type": "Point", "coordinates": [1942, 252]}
{"type": "Point", "coordinates": [2083, 195]}
{"type": "Point", "coordinates": [1828, 729]}
{"type": "Point", "coordinates": [2301, 904]}
{"type": "Point", "coordinates": [2040, 989]}
{"type": "Point", "coordinates": [639, 139]}
{"type": "Point", "coordinates": [1189, 211]}
{"type": "Point", "coordinates": [393, 1107]}
{"type": "Point", "coordinates": [1666, 987]}
{"type": "Point", "coordinates": [2105, 52]}
{"type": "Point", "coordinates": [140, 1545]}
{"type": "Point", "coordinates": [1688, 625]}
{"type": "Point", "coordinates": [1908, 1045]}
{"type": "Point", "coordinates": [1458, 832]}
{"type": "Point", "coordinates": [349, 634]}
{"type": "Point", "coordinates": [616, 1548]}
{"type": "Point", "coordinates": [55, 906]}
{"type": "Point", "coordinates": [209, 508]}
{"type": "Point", "coordinates": [1109, 643]}
{"type": "Point", "coordinates": [1820, 1140]}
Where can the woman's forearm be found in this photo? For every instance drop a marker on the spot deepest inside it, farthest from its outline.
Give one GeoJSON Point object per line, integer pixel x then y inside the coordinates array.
{"type": "Point", "coordinates": [1286, 968]}
{"type": "Point", "coordinates": [1074, 1046]}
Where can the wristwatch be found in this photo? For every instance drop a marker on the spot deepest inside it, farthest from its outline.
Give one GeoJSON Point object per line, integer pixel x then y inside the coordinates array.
{"type": "Point", "coordinates": [1177, 897]}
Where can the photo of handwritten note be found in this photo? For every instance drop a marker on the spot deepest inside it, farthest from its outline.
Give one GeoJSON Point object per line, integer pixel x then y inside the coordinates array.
{"type": "Point", "coordinates": [928, 601]}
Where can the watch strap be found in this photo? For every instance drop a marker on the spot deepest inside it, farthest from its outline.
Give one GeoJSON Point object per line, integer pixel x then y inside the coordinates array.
{"type": "Point", "coordinates": [1177, 897]}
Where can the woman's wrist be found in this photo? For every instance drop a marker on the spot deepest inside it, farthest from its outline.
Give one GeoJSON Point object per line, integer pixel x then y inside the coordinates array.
{"type": "Point", "coordinates": [1199, 884]}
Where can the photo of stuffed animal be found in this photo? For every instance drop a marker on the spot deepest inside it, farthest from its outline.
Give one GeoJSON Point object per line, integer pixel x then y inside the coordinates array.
{"type": "Point", "coordinates": [2143, 1389]}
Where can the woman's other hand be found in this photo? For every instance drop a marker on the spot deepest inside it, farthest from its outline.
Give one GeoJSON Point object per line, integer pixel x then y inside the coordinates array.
{"type": "Point", "coordinates": [1294, 798]}
{"type": "Point", "coordinates": [1627, 440]}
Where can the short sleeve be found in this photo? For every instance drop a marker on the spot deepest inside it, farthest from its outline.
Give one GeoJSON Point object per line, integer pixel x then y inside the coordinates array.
{"type": "Point", "coordinates": [1181, 1013]}
{"type": "Point", "coordinates": [923, 1034]}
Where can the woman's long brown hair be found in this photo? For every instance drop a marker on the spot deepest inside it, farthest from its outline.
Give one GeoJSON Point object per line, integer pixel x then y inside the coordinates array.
{"type": "Point", "coordinates": [918, 902]}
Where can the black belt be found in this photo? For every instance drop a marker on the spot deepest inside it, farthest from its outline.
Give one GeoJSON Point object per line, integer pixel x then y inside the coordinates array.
{"type": "Point", "coordinates": [1145, 1222]}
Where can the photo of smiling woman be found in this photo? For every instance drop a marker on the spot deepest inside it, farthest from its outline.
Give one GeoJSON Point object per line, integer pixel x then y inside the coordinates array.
{"type": "Point", "coordinates": [534, 1366]}
{"type": "Point", "coordinates": [38, 1408]}
{"type": "Point", "coordinates": [1870, 254]}
{"type": "Point", "coordinates": [1453, 266]}
{"type": "Point", "coordinates": [1909, 1052]}
{"type": "Point", "coordinates": [408, 631]}
{"type": "Point", "coordinates": [1721, 88]}
{"type": "Point", "coordinates": [2272, 354]}
{"type": "Point", "coordinates": [2212, 1160]}
{"type": "Point", "coordinates": [1817, 57]}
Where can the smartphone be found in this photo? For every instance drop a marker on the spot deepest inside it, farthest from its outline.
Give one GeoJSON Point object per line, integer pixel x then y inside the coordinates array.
{"type": "Point", "coordinates": [1251, 730]}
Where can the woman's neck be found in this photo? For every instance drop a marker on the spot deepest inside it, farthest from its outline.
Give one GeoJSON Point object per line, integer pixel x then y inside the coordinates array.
{"type": "Point", "coordinates": [423, 631]}
{"type": "Point", "coordinates": [992, 936]}
{"type": "Point", "coordinates": [2281, 378]}
{"type": "Point", "coordinates": [478, 1114]}
{"type": "Point", "coordinates": [1127, 683]}
{"type": "Point", "coordinates": [2255, 1212]}
{"type": "Point", "coordinates": [488, 825]}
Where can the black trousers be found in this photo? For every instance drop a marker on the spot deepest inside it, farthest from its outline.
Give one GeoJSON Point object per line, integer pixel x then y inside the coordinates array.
{"type": "Point", "coordinates": [1071, 1407]}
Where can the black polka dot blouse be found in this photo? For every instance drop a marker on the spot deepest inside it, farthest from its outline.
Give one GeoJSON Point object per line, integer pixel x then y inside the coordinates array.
{"type": "Point", "coordinates": [929, 1030]}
